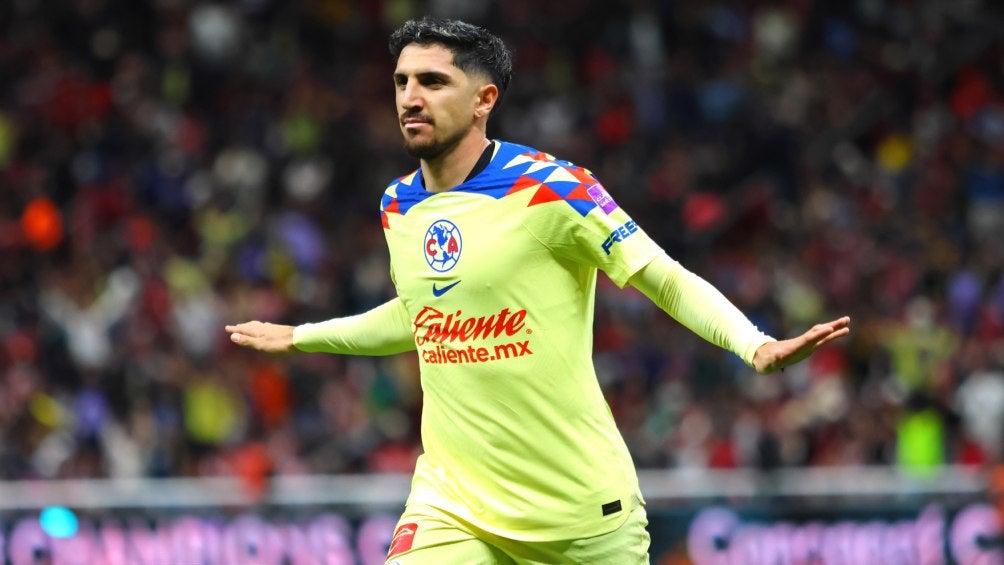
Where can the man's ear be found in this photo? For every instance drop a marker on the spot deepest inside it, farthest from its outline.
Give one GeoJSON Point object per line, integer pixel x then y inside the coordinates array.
{"type": "Point", "coordinates": [487, 96]}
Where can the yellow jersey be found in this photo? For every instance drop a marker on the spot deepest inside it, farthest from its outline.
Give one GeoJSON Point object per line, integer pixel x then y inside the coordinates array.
{"type": "Point", "coordinates": [497, 276]}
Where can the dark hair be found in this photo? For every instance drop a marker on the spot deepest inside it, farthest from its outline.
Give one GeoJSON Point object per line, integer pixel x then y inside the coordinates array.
{"type": "Point", "coordinates": [474, 48]}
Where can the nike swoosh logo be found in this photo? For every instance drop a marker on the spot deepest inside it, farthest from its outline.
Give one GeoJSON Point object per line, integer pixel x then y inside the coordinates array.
{"type": "Point", "coordinates": [437, 292]}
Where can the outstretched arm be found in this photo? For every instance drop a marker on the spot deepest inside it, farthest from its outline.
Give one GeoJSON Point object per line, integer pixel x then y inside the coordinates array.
{"type": "Point", "coordinates": [707, 312]}
{"type": "Point", "coordinates": [384, 330]}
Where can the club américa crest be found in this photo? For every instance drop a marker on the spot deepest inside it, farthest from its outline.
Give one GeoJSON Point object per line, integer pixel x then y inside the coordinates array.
{"type": "Point", "coordinates": [442, 245]}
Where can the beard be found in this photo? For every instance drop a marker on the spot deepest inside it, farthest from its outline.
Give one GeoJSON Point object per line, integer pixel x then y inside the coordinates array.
{"type": "Point", "coordinates": [433, 148]}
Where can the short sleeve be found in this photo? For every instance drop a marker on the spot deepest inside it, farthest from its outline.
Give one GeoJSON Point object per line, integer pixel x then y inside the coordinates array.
{"type": "Point", "coordinates": [597, 232]}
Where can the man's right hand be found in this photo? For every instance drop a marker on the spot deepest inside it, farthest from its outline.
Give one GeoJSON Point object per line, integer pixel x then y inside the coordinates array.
{"type": "Point", "coordinates": [263, 336]}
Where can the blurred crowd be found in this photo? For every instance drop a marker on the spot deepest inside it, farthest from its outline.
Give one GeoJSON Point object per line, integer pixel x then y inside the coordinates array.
{"type": "Point", "coordinates": [171, 166]}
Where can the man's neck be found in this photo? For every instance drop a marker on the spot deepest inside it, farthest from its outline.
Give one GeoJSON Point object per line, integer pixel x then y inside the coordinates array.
{"type": "Point", "coordinates": [447, 171]}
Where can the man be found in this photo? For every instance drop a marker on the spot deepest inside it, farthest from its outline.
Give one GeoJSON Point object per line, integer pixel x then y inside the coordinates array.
{"type": "Point", "coordinates": [494, 253]}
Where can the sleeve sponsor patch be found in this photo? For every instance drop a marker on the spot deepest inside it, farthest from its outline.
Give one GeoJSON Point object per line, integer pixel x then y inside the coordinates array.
{"type": "Point", "coordinates": [602, 198]}
{"type": "Point", "coordinates": [619, 235]}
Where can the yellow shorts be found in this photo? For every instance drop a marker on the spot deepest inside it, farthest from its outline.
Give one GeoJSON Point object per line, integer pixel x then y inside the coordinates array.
{"type": "Point", "coordinates": [428, 535]}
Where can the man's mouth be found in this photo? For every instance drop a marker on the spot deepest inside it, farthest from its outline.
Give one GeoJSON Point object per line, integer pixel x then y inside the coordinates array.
{"type": "Point", "coordinates": [415, 121]}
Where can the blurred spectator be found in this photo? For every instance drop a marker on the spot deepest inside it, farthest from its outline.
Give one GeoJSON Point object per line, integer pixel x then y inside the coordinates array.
{"type": "Point", "coordinates": [979, 400]}
{"type": "Point", "coordinates": [920, 437]}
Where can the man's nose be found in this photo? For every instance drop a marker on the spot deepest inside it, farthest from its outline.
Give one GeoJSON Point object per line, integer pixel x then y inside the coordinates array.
{"type": "Point", "coordinates": [411, 96]}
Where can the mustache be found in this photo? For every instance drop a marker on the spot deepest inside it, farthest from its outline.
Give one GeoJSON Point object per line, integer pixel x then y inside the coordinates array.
{"type": "Point", "coordinates": [410, 116]}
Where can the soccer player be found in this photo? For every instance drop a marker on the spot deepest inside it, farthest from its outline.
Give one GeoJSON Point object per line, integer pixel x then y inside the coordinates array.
{"type": "Point", "coordinates": [494, 252]}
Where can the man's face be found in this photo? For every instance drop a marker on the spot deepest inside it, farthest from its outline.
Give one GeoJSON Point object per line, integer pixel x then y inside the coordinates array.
{"type": "Point", "coordinates": [436, 101]}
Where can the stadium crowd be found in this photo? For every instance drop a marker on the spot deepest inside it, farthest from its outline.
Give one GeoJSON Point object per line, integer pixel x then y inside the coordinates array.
{"type": "Point", "coordinates": [170, 166]}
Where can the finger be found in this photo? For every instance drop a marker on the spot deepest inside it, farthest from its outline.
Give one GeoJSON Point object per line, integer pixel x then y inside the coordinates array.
{"type": "Point", "coordinates": [821, 331]}
{"type": "Point", "coordinates": [835, 335]}
{"type": "Point", "coordinates": [817, 333]}
{"type": "Point", "coordinates": [249, 330]}
{"type": "Point", "coordinates": [246, 339]}
{"type": "Point", "coordinates": [250, 324]}
{"type": "Point", "coordinates": [839, 323]}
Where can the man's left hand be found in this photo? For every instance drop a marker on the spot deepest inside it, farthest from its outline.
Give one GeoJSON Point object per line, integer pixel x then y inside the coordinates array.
{"type": "Point", "coordinates": [775, 355]}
